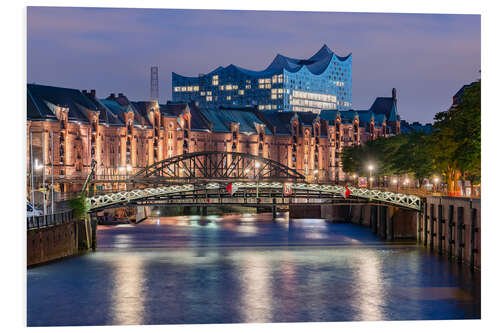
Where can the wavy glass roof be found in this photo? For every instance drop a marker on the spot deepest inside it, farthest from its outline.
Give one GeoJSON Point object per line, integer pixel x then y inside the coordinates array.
{"type": "Point", "coordinates": [316, 64]}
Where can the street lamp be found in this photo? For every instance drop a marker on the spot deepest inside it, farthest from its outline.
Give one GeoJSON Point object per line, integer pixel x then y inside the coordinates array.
{"type": "Point", "coordinates": [436, 181]}
{"type": "Point", "coordinates": [315, 172]}
{"type": "Point", "coordinates": [395, 182]}
{"type": "Point", "coordinates": [370, 168]}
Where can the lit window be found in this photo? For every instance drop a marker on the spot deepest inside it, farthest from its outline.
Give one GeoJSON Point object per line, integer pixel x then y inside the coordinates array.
{"type": "Point", "coordinates": [248, 86]}
{"type": "Point", "coordinates": [221, 87]}
{"type": "Point", "coordinates": [215, 80]}
{"type": "Point", "coordinates": [229, 87]}
{"type": "Point", "coordinates": [202, 93]}
{"type": "Point", "coordinates": [273, 96]}
{"type": "Point", "coordinates": [209, 98]}
{"type": "Point", "coordinates": [262, 86]}
{"type": "Point", "coordinates": [177, 88]}
{"type": "Point", "coordinates": [241, 92]}
{"type": "Point", "coordinates": [261, 107]}
{"type": "Point", "coordinates": [196, 88]}
{"type": "Point", "coordinates": [209, 93]}
{"type": "Point", "coordinates": [189, 88]}
{"type": "Point", "coordinates": [262, 81]}
{"type": "Point", "coordinates": [183, 88]}
{"type": "Point", "coordinates": [268, 86]}
{"type": "Point", "coordinates": [235, 87]}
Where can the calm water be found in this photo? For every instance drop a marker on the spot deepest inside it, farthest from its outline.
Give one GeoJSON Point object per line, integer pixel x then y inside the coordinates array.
{"type": "Point", "coordinates": [247, 269]}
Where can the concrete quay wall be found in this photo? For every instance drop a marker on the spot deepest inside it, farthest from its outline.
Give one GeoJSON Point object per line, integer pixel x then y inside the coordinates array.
{"type": "Point", "coordinates": [452, 226]}
{"type": "Point", "coordinates": [58, 241]}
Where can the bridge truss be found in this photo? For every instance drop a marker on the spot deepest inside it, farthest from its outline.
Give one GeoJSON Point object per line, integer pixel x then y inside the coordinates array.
{"type": "Point", "coordinates": [215, 165]}
{"type": "Point", "coordinates": [250, 193]}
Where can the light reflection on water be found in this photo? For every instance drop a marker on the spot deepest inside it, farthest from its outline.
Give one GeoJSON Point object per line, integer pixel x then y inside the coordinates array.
{"type": "Point", "coordinates": [247, 269]}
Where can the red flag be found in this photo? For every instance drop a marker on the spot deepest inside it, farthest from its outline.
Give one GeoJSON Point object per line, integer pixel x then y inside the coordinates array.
{"type": "Point", "coordinates": [231, 188]}
{"type": "Point", "coordinates": [347, 192]}
{"type": "Point", "coordinates": [287, 189]}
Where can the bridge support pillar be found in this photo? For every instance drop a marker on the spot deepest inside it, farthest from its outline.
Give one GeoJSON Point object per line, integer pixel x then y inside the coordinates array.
{"type": "Point", "coordinates": [204, 211]}
{"type": "Point", "coordinates": [373, 218]}
{"type": "Point", "coordinates": [274, 209]}
{"type": "Point", "coordinates": [389, 235]}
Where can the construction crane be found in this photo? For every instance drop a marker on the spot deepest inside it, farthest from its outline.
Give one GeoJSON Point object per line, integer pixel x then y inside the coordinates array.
{"type": "Point", "coordinates": [93, 165]}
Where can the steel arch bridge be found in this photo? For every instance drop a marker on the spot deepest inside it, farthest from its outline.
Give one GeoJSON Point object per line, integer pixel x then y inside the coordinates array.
{"type": "Point", "coordinates": [215, 165]}
{"type": "Point", "coordinates": [200, 179]}
{"type": "Point", "coordinates": [269, 194]}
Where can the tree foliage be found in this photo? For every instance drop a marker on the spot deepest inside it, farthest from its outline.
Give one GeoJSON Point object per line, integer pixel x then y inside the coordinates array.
{"type": "Point", "coordinates": [452, 150]}
{"type": "Point", "coordinates": [79, 205]}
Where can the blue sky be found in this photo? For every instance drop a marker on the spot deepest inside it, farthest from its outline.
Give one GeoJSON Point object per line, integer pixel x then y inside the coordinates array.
{"type": "Point", "coordinates": [426, 57]}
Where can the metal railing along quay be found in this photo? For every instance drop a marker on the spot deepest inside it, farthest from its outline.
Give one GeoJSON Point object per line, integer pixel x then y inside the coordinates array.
{"type": "Point", "coordinates": [43, 221]}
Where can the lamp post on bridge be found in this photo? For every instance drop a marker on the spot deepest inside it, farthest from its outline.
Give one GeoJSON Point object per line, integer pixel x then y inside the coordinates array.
{"type": "Point", "coordinates": [370, 169]}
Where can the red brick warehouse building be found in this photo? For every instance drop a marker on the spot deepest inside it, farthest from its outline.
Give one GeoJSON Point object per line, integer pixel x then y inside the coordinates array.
{"type": "Point", "coordinates": [124, 136]}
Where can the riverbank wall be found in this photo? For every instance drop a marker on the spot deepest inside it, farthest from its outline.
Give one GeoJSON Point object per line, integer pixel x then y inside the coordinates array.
{"type": "Point", "coordinates": [389, 223]}
{"type": "Point", "coordinates": [57, 241]}
{"type": "Point", "coordinates": [452, 226]}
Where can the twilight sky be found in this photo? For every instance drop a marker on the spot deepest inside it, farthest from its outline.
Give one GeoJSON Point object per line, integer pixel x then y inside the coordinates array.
{"type": "Point", "coordinates": [427, 58]}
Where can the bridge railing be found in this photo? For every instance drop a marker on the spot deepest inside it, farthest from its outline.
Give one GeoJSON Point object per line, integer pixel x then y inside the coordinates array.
{"type": "Point", "coordinates": [43, 221]}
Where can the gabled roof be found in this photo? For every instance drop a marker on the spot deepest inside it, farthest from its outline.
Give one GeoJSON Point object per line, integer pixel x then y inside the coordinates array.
{"type": "Point", "coordinates": [316, 64]}
{"type": "Point", "coordinates": [386, 106]}
{"type": "Point", "coordinates": [42, 101]}
{"type": "Point", "coordinates": [280, 121]}
{"type": "Point", "coordinates": [329, 115]}
{"type": "Point", "coordinates": [223, 117]}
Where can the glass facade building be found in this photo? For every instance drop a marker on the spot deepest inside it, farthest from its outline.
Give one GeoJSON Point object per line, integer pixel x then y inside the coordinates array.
{"type": "Point", "coordinates": [321, 82]}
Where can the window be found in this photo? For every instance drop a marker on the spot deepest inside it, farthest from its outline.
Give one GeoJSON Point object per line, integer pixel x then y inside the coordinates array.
{"type": "Point", "coordinates": [177, 89]}
{"type": "Point", "coordinates": [229, 87]}
{"type": "Point", "coordinates": [215, 80]}
{"type": "Point", "coordinates": [228, 98]}
{"type": "Point", "coordinates": [241, 92]}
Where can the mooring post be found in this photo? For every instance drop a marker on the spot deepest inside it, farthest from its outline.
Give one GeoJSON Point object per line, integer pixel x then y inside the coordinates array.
{"type": "Point", "coordinates": [426, 219]}
{"type": "Point", "coordinates": [93, 221]}
{"type": "Point", "coordinates": [451, 224]}
{"type": "Point", "coordinates": [473, 231]}
{"type": "Point", "coordinates": [440, 228]}
{"type": "Point", "coordinates": [432, 233]}
{"type": "Point", "coordinates": [419, 227]}
{"type": "Point", "coordinates": [274, 209]}
{"type": "Point", "coordinates": [460, 231]}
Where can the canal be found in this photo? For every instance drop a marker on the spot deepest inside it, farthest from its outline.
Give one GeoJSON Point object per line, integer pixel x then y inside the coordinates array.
{"type": "Point", "coordinates": [246, 268]}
